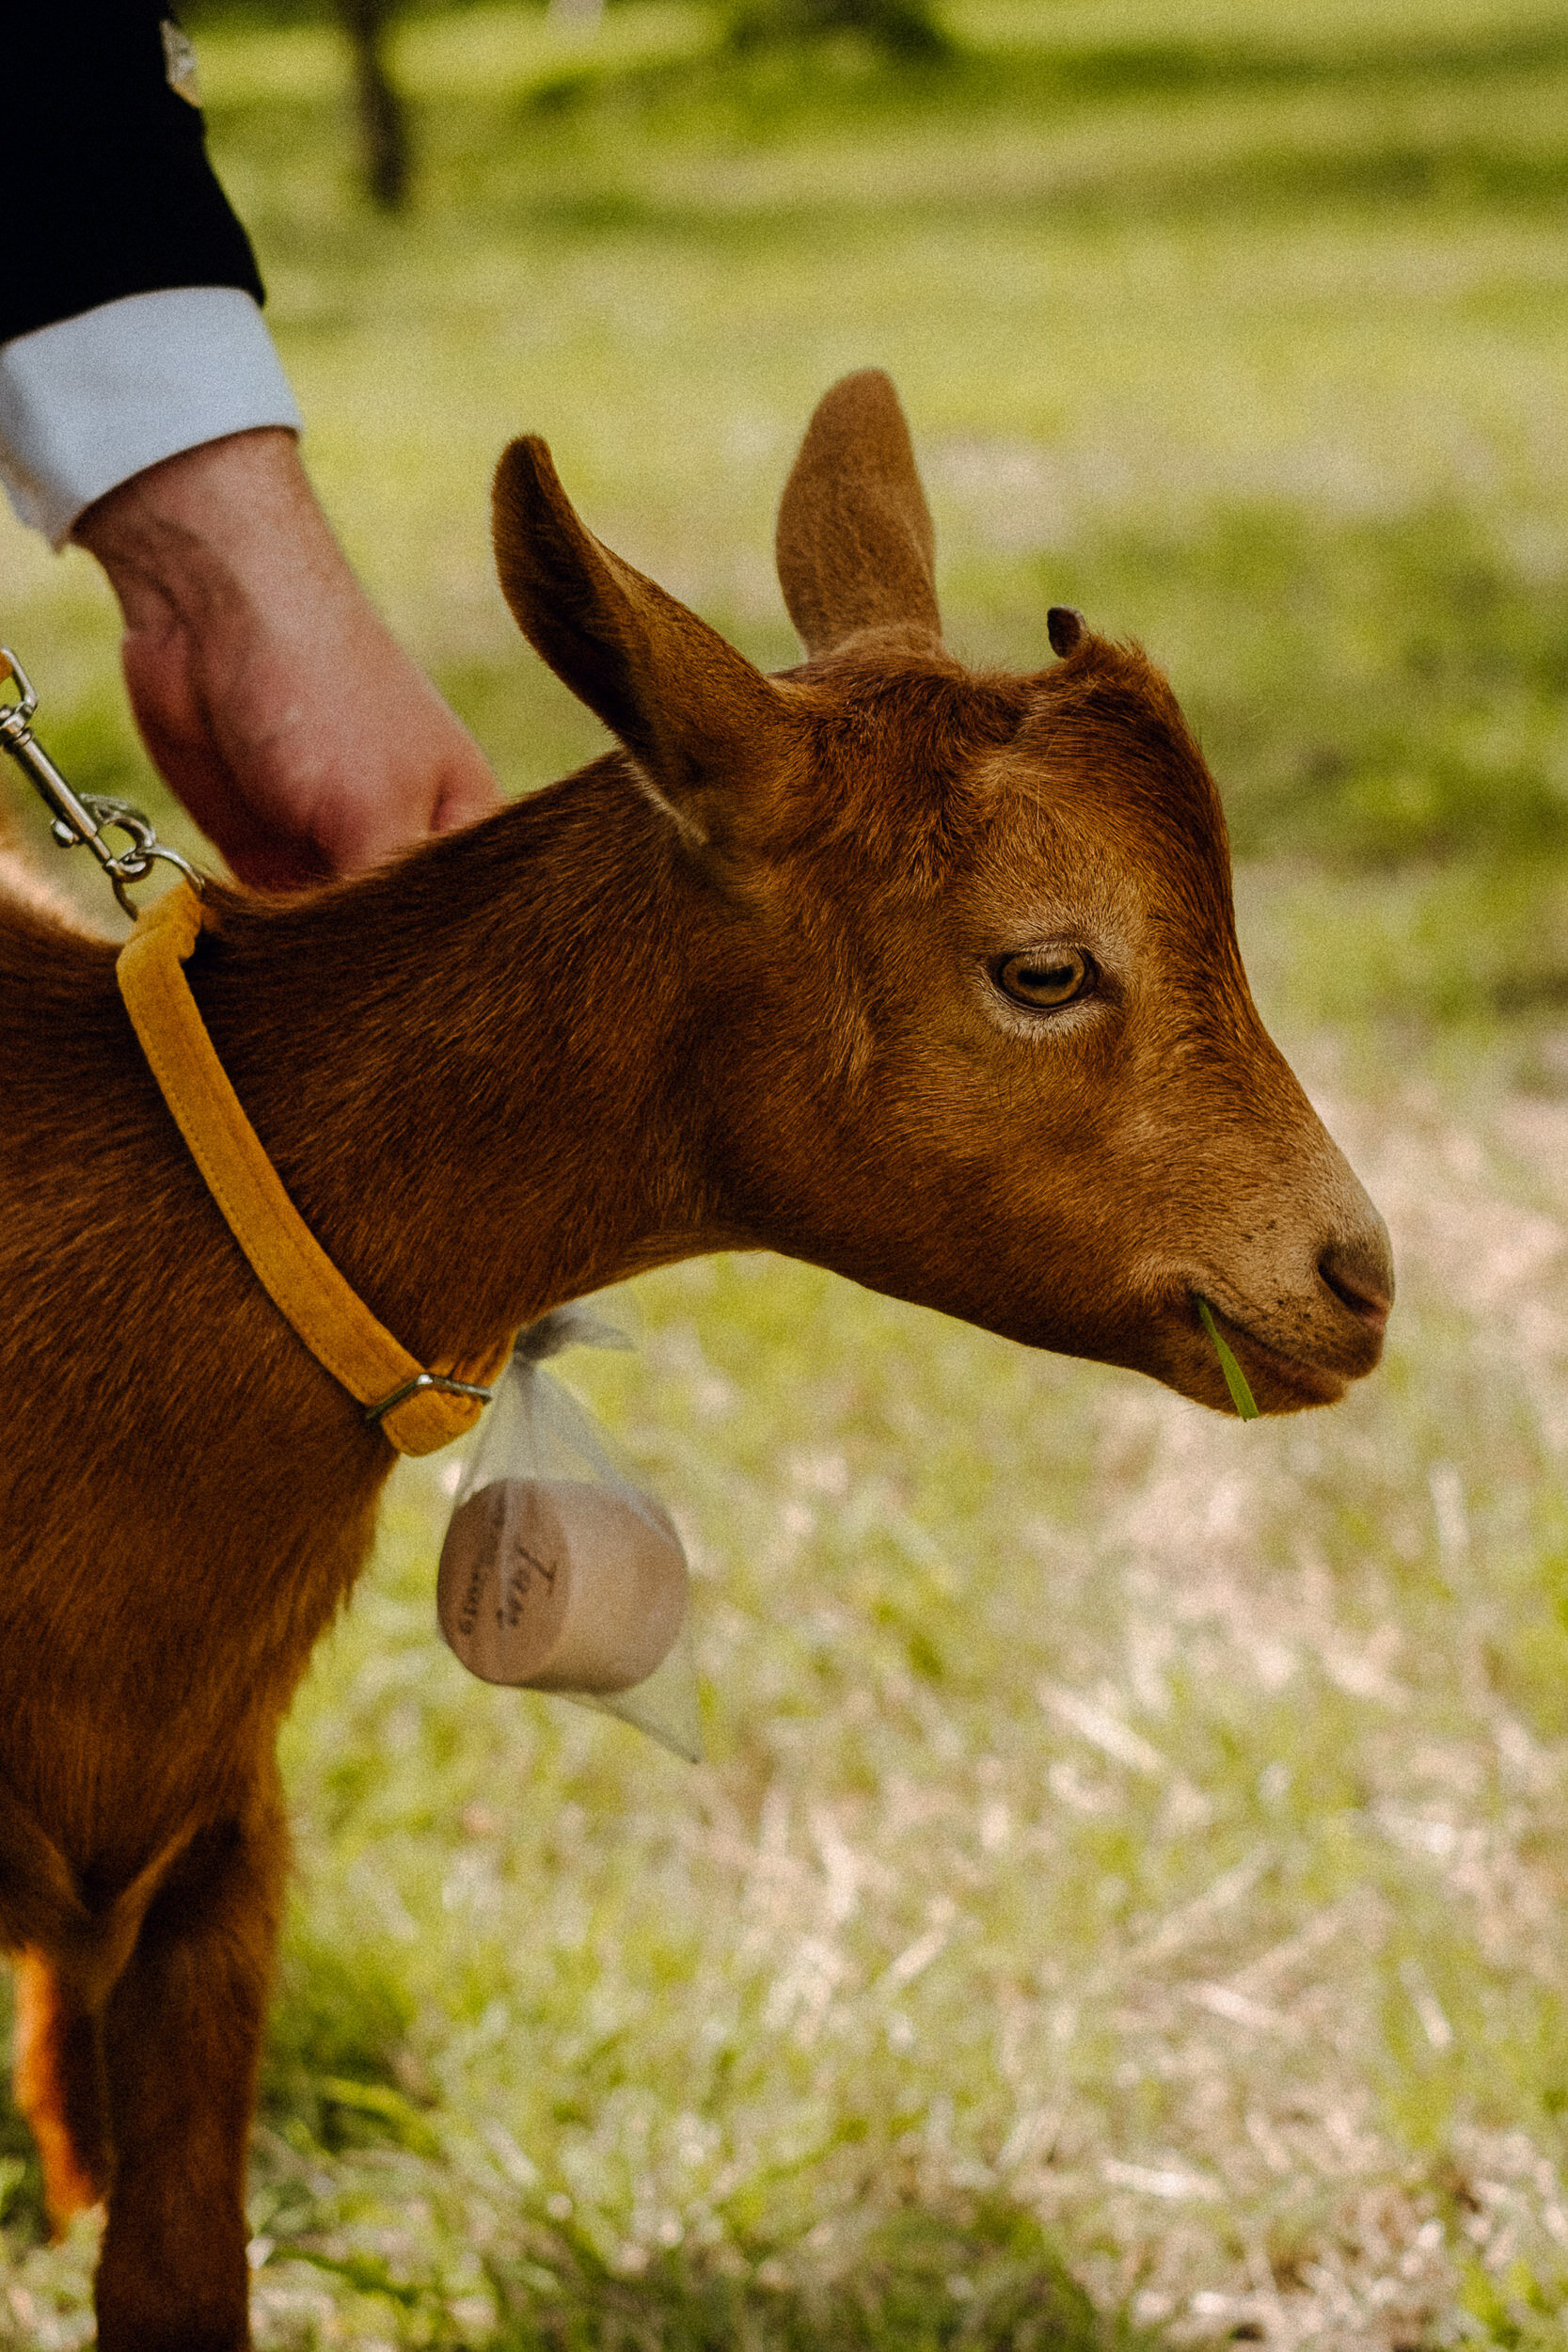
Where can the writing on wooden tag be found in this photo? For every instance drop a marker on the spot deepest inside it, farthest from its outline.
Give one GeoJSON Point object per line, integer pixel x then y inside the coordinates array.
{"type": "Point", "coordinates": [560, 1584]}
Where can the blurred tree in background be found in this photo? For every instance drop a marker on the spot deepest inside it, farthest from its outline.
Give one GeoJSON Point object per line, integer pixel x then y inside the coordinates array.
{"type": "Point", "coordinates": [385, 137]}
{"type": "Point", "coordinates": [897, 29]}
{"type": "Point", "coordinates": [902, 28]}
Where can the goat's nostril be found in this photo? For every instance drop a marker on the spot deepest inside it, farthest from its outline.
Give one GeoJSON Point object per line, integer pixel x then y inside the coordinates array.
{"type": "Point", "coordinates": [1361, 1277]}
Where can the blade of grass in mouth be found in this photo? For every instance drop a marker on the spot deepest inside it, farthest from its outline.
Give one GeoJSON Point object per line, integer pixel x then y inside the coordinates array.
{"type": "Point", "coordinates": [1235, 1378]}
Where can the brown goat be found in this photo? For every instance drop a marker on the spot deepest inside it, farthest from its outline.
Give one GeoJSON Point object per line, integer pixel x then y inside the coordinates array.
{"type": "Point", "coordinates": [924, 976]}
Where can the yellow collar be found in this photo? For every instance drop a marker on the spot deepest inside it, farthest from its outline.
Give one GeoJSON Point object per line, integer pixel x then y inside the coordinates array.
{"type": "Point", "coordinates": [416, 1409]}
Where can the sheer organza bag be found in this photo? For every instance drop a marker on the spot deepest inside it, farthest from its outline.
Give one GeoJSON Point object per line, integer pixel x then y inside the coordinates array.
{"type": "Point", "coordinates": [558, 1573]}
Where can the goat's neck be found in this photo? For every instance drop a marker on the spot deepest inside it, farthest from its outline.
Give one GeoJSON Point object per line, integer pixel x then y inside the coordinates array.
{"type": "Point", "coordinates": [467, 1069]}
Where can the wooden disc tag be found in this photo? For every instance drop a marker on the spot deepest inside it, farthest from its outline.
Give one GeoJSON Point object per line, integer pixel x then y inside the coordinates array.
{"type": "Point", "coordinates": [560, 1584]}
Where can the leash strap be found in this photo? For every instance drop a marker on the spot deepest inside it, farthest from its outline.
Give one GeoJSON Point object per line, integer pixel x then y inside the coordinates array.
{"type": "Point", "coordinates": [417, 1409]}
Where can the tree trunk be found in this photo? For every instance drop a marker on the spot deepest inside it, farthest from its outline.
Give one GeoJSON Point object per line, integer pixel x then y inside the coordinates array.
{"type": "Point", "coordinates": [384, 135]}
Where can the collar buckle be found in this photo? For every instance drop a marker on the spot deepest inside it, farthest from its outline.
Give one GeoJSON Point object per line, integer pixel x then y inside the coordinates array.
{"type": "Point", "coordinates": [442, 1382]}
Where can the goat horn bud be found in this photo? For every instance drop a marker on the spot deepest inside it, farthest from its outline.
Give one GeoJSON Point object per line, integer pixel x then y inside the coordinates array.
{"type": "Point", "coordinates": [1066, 628]}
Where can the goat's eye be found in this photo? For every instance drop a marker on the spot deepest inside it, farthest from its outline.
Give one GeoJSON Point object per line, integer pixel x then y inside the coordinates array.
{"type": "Point", "coordinates": [1045, 977]}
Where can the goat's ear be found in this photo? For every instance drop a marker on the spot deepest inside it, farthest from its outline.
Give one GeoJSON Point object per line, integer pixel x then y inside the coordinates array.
{"type": "Point", "coordinates": [692, 712]}
{"type": "Point", "coordinates": [855, 544]}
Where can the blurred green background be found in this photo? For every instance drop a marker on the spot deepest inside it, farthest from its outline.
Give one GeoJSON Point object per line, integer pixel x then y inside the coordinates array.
{"type": "Point", "coordinates": [1126, 1892]}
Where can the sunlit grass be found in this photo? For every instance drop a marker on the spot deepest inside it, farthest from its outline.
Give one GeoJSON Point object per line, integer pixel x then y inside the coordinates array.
{"type": "Point", "coordinates": [1127, 1842]}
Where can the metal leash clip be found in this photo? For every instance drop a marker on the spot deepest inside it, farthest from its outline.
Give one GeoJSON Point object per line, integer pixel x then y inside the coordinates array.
{"type": "Point", "coordinates": [81, 820]}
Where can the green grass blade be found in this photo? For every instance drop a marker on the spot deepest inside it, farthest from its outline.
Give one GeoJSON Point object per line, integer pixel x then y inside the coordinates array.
{"type": "Point", "coordinates": [1235, 1378]}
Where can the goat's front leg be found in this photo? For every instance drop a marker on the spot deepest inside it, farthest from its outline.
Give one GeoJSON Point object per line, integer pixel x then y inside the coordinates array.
{"type": "Point", "coordinates": [181, 2036]}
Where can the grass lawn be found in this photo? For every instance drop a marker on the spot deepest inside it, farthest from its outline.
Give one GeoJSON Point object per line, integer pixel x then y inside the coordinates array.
{"type": "Point", "coordinates": [1124, 1901]}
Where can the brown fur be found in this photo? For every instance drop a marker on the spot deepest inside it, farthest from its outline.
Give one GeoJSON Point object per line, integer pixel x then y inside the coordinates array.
{"type": "Point", "coordinates": [854, 544]}
{"type": "Point", "coordinates": [728, 987]}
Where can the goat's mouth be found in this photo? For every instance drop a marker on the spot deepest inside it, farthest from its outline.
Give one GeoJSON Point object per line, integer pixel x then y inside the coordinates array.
{"type": "Point", "coordinates": [1282, 1383]}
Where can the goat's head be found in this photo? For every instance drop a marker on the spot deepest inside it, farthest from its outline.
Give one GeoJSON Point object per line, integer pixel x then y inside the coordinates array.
{"type": "Point", "coordinates": [974, 1011]}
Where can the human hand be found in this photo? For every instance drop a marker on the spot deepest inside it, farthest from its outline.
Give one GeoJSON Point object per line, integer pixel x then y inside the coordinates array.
{"type": "Point", "coordinates": [271, 695]}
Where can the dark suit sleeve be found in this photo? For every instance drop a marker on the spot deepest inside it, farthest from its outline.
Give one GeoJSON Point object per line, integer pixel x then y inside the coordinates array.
{"type": "Point", "coordinates": [105, 189]}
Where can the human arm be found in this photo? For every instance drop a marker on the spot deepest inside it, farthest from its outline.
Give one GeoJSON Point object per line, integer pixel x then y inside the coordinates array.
{"type": "Point", "coordinates": [272, 698]}
{"type": "Point", "coordinates": [144, 414]}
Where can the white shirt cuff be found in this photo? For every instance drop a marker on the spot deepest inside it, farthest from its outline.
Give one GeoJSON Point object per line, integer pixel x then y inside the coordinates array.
{"type": "Point", "coordinates": [93, 400]}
